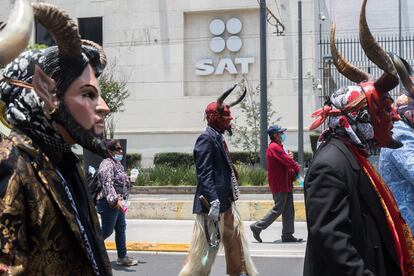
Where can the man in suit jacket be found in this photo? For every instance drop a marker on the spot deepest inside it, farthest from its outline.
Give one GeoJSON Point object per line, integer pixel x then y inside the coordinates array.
{"type": "Point", "coordinates": [282, 170]}
{"type": "Point", "coordinates": [48, 222]}
{"type": "Point", "coordinates": [217, 183]}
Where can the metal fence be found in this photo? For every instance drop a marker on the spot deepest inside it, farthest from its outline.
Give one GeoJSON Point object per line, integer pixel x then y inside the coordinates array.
{"type": "Point", "coordinates": [350, 48]}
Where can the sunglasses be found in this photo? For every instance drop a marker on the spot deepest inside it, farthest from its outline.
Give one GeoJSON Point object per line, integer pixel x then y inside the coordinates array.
{"type": "Point", "coordinates": [118, 149]}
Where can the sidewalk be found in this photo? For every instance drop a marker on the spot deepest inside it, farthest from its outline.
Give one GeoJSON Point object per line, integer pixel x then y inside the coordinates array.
{"type": "Point", "coordinates": [175, 236]}
{"type": "Point", "coordinates": [180, 206]}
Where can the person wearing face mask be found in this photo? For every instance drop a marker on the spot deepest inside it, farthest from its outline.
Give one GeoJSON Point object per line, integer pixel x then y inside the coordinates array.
{"type": "Point", "coordinates": [52, 100]}
{"type": "Point", "coordinates": [282, 171]}
{"type": "Point", "coordinates": [112, 201]}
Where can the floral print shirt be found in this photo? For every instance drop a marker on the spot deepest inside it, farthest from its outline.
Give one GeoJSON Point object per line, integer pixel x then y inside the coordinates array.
{"type": "Point", "coordinates": [396, 166]}
{"type": "Point", "coordinates": [115, 182]}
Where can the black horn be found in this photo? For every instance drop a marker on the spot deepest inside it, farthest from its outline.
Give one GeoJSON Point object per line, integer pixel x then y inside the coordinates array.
{"type": "Point", "coordinates": [61, 26]}
{"type": "Point", "coordinates": [240, 98]}
{"type": "Point", "coordinates": [404, 71]}
{"type": "Point", "coordinates": [221, 99]}
{"type": "Point", "coordinates": [344, 67]}
{"type": "Point", "coordinates": [371, 47]}
{"type": "Point", "coordinates": [15, 33]}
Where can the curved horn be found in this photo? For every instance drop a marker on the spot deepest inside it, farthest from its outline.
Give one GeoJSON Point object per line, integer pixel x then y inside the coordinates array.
{"type": "Point", "coordinates": [63, 28]}
{"type": "Point", "coordinates": [240, 98]}
{"type": "Point", "coordinates": [404, 71]}
{"type": "Point", "coordinates": [15, 35]}
{"type": "Point", "coordinates": [344, 67]}
{"type": "Point", "coordinates": [221, 99]}
{"type": "Point", "coordinates": [102, 56]}
{"type": "Point", "coordinates": [371, 47]}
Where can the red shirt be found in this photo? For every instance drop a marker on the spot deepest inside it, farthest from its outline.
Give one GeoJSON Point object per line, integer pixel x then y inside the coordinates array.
{"type": "Point", "coordinates": [281, 169]}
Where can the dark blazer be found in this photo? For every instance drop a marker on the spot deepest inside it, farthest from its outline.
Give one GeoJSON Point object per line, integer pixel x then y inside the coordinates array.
{"type": "Point", "coordinates": [213, 171]}
{"type": "Point", "coordinates": [347, 229]}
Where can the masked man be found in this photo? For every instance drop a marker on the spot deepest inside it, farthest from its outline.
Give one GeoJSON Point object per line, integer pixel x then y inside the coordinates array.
{"type": "Point", "coordinates": [396, 165]}
{"type": "Point", "coordinates": [354, 225]}
{"type": "Point", "coordinates": [48, 222]}
{"type": "Point", "coordinates": [218, 187]}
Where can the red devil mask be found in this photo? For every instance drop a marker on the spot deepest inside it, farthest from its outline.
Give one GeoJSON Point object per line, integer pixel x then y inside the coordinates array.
{"type": "Point", "coordinates": [218, 114]}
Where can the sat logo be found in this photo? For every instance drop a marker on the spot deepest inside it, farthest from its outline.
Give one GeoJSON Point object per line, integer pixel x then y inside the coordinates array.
{"type": "Point", "coordinates": [205, 66]}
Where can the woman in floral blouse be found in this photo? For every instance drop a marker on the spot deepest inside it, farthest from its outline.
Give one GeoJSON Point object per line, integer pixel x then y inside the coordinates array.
{"type": "Point", "coordinates": [112, 200]}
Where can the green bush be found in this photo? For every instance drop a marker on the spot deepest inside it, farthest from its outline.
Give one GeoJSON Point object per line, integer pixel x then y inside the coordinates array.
{"type": "Point", "coordinates": [133, 160]}
{"type": "Point", "coordinates": [165, 175]}
{"type": "Point", "coordinates": [251, 175]}
{"type": "Point", "coordinates": [173, 159]}
{"type": "Point", "coordinates": [307, 156]}
{"type": "Point", "coordinates": [244, 157]}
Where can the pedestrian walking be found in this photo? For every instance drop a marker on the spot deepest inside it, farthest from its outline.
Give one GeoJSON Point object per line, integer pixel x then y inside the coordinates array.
{"type": "Point", "coordinates": [282, 171]}
{"type": "Point", "coordinates": [112, 201]}
{"type": "Point", "coordinates": [217, 218]}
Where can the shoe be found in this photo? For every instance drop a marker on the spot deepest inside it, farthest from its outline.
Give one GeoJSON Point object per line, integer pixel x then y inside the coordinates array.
{"type": "Point", "coordinates": [291, 239]}
{"type": "Point", "coordinates": [256, 233]}
{"type": "Point", "coordinates": [126, 261]}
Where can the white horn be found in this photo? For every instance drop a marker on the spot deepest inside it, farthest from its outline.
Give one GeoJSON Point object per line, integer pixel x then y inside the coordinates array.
{"type": "Point", "coordinates": [15, 36]}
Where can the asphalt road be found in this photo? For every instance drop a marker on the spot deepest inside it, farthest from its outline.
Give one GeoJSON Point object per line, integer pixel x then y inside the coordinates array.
{"type": "Point", "coordinates": [163, 264]}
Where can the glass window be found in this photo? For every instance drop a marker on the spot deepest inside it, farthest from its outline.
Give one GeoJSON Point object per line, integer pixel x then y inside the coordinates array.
{"type": "Point", "coordinates": [43, 36]}
{"type": "Point", "coordinates": [91, 28]}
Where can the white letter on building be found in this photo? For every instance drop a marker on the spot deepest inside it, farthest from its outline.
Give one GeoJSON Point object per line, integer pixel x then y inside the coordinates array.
{"type": "Point", "coordinates": [244, 63]}
{"type": "Point", "coordinates": [225, 63]}
{"type": "Point", "coordinates": [204, 67]}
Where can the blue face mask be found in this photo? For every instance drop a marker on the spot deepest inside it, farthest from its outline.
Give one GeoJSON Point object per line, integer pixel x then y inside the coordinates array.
{"type": "Point", "coordinates": [282, 137]}
{"type": "Point", "coordinates": [118, 157]}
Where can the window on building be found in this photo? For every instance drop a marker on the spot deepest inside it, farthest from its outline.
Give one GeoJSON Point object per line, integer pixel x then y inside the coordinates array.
{"type": "Point", "coordinates": [43, 36]}
{"type": "Point", "coordinates": [91, 28]}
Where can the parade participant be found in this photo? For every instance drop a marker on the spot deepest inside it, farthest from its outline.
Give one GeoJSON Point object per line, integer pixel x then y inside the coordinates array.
{"type": "Point", "coordinates": [112, 201]}
{"type": "Point", "coordinates": [354, 225]}
{"type": "Point", "coordinates": [282, 170]}
{"type": "Point", "coordinates": [48, 221]}
{"type": "Point", "coordinates": [218, 188]}
{"type": "Point", "coordinates": [396, 165]}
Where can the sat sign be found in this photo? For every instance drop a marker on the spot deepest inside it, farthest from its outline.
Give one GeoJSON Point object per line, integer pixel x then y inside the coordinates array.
{"type": "Point", "coordinates": [205, 66]}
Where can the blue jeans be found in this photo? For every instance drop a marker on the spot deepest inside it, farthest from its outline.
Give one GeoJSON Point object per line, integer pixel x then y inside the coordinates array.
{"type": "Point", "coordinates": [112, 218]}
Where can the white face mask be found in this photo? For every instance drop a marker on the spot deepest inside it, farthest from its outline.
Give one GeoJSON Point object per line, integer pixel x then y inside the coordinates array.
{"type": "Point", "coordinates": [283, 137]}
{"type": "Point", "coordinates": [118, 157]}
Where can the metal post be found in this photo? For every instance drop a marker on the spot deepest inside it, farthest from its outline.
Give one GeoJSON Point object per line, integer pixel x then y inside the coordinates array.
{"type": "Point", "coordinates": [300, 88]}
{"type": "Point", "coordinates": [263, 85]}
{"type": "Point", "coordinates": [399, 29]}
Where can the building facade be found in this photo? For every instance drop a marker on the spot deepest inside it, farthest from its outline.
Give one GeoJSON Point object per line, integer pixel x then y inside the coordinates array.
{"type": "Point", "coordinates": [177, 56]}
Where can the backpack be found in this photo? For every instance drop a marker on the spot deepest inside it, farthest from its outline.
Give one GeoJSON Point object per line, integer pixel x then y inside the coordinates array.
{"type": "Point", "coordinates": [94, 185]}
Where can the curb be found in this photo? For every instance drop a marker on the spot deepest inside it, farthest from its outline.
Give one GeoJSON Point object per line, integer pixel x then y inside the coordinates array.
{"type": "Point", "coordinates": [192, 189]}
{"type": "Point", "coordinates": [182, 210]}
{"type": "Point", "coordinates": [151, 246]}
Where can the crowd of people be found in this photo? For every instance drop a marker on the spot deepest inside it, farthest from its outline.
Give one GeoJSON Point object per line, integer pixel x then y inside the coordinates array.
{"type": "Point", "coordinates": [359, 220]}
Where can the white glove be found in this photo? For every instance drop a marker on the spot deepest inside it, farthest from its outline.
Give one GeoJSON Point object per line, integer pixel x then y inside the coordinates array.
{"type": "Point", "coordinates": [214, 212]}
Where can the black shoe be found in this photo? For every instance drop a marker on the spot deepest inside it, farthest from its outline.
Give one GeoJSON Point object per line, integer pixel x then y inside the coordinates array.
{"type": "Point", "coordinates": [291, 239]}
{"type": "Point", "coordinates": [256, 233]}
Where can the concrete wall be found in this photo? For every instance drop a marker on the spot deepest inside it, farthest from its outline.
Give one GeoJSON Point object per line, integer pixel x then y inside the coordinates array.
{"type": "Point", "coordinates": [155, 43]}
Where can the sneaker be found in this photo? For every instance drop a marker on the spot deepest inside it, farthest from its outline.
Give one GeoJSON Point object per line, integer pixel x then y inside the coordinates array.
{"type": "Point", "coordinates": [291, 239]}
{"type": "Point", "coordinates": [126, 261]}
{"type": "Point", "coordinates": [256, 233]}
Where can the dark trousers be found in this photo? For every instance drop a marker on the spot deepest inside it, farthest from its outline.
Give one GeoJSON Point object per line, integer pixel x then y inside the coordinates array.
{"type": "Point", "coordinates": [113, 219]}
{"type": "Point", "coordinates": [283, 206]}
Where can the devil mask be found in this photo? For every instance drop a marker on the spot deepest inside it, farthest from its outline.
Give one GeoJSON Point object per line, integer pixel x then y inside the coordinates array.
{"type": "Point", "coordinates": [218, 114]}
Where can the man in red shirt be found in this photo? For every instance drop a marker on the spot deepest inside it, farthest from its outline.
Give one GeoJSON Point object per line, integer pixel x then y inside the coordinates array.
{"type": "Point", "coordinates": [282, 170]}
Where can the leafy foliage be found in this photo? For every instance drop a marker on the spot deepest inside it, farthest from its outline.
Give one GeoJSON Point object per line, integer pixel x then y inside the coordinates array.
{"type": "Point", "coordinates": [246, 134]}
{"type": "Point", "coordinates": [173, 159]}
{"type": "Point", "coordinates": [114, 91]}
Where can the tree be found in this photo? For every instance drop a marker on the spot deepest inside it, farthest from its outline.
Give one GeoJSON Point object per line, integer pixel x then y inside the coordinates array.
{"type": "Point", "coordinates": [247, 127]}
{"type": "Point", "coordinates": [114, 91]}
